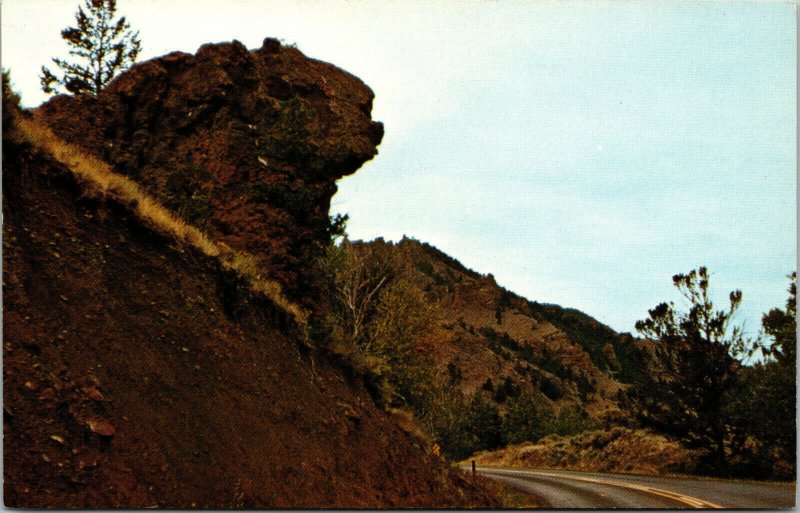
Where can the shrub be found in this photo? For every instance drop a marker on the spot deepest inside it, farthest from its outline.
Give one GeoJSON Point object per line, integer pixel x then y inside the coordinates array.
{"type": "Point", "coordinates": [571, 420]}
{"type": "Point", "coordinates": [551, 389]}
{"type": "Point", "coordinates": [526, 420]}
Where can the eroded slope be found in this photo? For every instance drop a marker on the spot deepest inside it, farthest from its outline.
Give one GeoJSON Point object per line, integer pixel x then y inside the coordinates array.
{"type": "Point", "coordinates": [138, 372]}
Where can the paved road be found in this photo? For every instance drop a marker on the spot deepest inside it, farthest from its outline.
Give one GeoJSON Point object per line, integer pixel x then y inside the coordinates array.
{"type": "Point", "coordinates": [567, 489]}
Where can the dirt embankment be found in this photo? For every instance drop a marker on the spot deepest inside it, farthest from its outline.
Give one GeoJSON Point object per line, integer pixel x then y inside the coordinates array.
{"type": "Point", "coordinates": [138, 372]}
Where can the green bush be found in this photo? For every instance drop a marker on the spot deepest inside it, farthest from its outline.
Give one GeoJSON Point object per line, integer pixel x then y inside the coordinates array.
{"type": "Point", "coordinates": [505, 390]}
{"type": "Point", "coordinates": [474, 427]}
{"type": "Point", "coordinates": [551, 389]}
{"type": "Point", "coordinates": [182, 194]}
{"type": "Point", "coordinates": [570, 421]}
{"type": "Point", "coordinates": [293, 138]}
{"type": "Point", "coordinates": [526, 420]}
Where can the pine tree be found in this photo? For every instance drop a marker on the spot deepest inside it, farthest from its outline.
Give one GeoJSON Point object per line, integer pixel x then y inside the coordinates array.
{"type": "Point", "coordinates": [781, 325]}
{"type": "Point", "coordinates": [103, 46]}
{"type": "Point", "coordinates": [700, 354]}
{"type": "Point", "coordinates": [778, 392]}
{"type": "Point", "coordinates": [762, 410]}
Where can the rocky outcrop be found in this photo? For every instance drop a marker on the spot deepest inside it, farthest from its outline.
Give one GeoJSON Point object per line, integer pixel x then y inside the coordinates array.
{"type": "Point", "coordinates": [139, 372]}
{"type": "Point", "coordinates": [246, 145]}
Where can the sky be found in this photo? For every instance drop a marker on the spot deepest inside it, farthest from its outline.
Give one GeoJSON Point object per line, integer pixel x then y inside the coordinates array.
{"type": "Point", "coordinates": [583, 152]}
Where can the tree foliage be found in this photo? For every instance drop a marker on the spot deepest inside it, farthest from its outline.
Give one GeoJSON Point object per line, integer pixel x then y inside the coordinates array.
{"type": "Point", "coordinates": [781, 325]}
{"type": "Point", "coordinates": [700, 354]}
{"type": "Point", "coordinates": [526, 420]}
{"type": "Point", "coordinates": [102, 46]}
{"type": "Point", "coordinates": [381, 320]}
{"type": "Point", "coordinates": [10, 101]}
{"type": "Point", "coordinates": [762, 408]}
{"type": "Point", "coordinates": [384, 322]}
{"type": "Point", "coordinates": [358, 273]}
{"type": "Point", "coordinates": [464, 426]}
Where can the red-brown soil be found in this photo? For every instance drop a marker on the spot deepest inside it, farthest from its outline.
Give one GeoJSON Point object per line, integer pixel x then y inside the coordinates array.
{"type": "Point", "coordinates": [137, 373]}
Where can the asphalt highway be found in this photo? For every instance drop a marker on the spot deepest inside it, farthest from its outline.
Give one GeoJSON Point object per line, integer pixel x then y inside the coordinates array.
{"type": "Point", "coordinates": [576, 490]}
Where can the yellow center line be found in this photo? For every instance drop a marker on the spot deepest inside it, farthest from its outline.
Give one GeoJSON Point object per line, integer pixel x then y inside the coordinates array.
{"type": "Point", "coordinates": [684, 499]}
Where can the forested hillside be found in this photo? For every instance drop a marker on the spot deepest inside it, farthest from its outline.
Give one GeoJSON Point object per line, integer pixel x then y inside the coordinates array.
{"type": "Point", "coordinates": [479, 365]}
{"type": "Point", "coordinates": [483, 368]}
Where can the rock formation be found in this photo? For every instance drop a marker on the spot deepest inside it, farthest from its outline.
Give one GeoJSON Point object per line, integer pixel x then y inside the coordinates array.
{"type": "Point", "coordinates": [140, 372]}
{"type": "Point", "coordinates": [246, 145]}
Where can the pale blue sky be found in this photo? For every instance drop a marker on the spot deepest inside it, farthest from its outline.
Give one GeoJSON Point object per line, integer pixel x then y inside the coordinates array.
{"type": "Point", "coordinates": [582, 152]}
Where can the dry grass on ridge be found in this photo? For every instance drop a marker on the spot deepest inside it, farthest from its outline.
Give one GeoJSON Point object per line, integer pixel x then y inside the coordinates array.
{"type": "Point", "coordinates": [618, 449]}
{"type": "Point", "coordinates": [98, 179]}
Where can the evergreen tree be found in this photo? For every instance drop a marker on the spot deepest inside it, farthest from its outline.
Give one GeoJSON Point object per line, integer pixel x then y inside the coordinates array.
{"type": "Point", "coordinates": [103, 46]}
{"type": "Point", "coordinates": [763, 407]}
{"type": "Point", "coordinates": [484, 424]}
{"type": "Point", "coordinates": [700, 355]}
{"type": "Point", "coordinates": [781, 325]}
{"type": "Point", "coordinates": [526, 420]}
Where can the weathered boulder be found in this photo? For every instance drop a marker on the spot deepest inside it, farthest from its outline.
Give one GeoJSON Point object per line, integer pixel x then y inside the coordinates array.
{"type": "Point", "coordinates": [247, 145]}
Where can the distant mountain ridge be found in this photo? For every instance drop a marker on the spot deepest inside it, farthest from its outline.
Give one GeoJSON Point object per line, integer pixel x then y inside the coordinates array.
{"type": "Point", "coordinates": [488, 333]}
